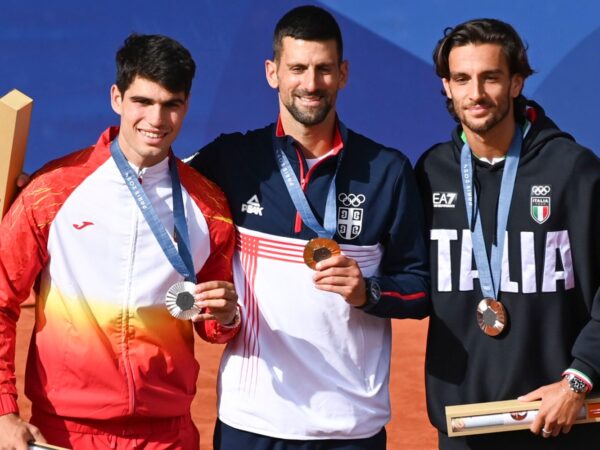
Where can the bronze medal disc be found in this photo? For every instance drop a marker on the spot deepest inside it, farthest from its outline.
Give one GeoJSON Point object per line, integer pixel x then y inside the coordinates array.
{"type": "Point", "coordinates": [491, 316]}
{"type": "Point", "coordinates": [319, 249]}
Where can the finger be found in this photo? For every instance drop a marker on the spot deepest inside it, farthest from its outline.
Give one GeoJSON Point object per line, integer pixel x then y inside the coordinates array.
{"type": "Point", "coordinates": [531, 396]}
{"type": "Point", "coordinates": [536, 426]}
{"type": "Point", "coordinates": [23, 179]}
{"type": "Point", "coordinates": [214, 284]}
{"type": "Point", "coordinates": [332, 288]}
{"type": "Point", "coordinates": [216, 293]}
{"type": "Point", "coordinates": [337, 280]}
{"type": "Point", "coordinates": [335, 261]}
{"type": "Point", "coordinates": [566, 428]}
{"type": "Point", "coordinates": [37, 434]}
{"type": "Point", "coordinates": [202, 317]}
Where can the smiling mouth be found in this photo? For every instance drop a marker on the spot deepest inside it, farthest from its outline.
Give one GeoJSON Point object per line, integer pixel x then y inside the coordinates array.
{"type": "Point", "coordinates": [152, 134]}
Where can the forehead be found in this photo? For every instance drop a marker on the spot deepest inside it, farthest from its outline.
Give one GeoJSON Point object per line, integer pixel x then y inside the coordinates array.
{"type": "Point", "coordinates": [143, 87]}
{"type": "Point", "coordinates": [299, 50]}
{"type": "Point", "coordinates": [473, 58]}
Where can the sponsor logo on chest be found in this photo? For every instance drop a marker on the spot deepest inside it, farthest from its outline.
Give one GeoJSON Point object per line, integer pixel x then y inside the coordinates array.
{"type": "Point", "coordinates": [350, 216]}
{"type": "Point", "coordinates": [540, 202]}
{"type": "Point", "coordinates": [252, 206]}
{"type": "Point", "coordinates": [444, 199]}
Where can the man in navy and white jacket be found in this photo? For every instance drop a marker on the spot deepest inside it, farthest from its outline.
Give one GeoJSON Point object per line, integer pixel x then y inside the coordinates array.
{"type": "Point", "coordinates": [312, 360]}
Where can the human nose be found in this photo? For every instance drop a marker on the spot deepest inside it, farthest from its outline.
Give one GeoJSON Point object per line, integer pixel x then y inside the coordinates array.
{"type": "Point", "coordinates": [476, 90]}
{"type": "Point", "coordinates": [155, 115]}
{"type": "Point", "coordinates": [311, 80]}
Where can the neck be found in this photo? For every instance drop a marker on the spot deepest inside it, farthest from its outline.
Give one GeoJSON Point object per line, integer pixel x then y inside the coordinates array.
{"type": "Point", "coordinates": [315, 140]}
{"type": "Point", "coordinates": [493, 143]}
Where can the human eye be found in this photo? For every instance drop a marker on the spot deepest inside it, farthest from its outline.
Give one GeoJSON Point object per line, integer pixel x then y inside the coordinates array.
{"type": "Point", "coordinates": [174, 104]}
{"type": "Point", "coordinates": [297, 69]}
{"type": "Point", "coordinates": [460, 79]}
{"type": "Point", "coordinates": [142, 101]}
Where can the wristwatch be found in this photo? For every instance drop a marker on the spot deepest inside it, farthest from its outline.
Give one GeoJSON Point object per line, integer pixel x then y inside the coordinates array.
{"type": "Point", "coordinates": [576, 384]}
{"type": "Point", "coordinates": [373, 291]}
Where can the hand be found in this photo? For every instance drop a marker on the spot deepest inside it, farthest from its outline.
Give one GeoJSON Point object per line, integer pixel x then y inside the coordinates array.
{"type": "Point", "coordinates": [219, 299]}
{"type": "Point", "coordinates": [15, 433]}
{"type": "Point", "coordinates": [341, 275]}
{"type": "Point", "coordinates": [559, 409]}
{"type": "Point", "coordinates": [23, 180]}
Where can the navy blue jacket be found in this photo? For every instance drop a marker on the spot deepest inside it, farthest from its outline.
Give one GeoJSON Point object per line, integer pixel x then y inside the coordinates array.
{"type": "Point", "coordinates": [245, 168]}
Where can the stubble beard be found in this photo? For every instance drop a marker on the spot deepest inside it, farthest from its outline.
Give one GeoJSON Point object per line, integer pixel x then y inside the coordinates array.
{"type": "Point", "coordinates": [309, 116]}
{"type": "Point", "coordinates": [502, 110]}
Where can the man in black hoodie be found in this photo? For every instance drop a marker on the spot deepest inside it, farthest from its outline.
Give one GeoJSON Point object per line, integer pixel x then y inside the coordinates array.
{"type": "Point", "coordinates": [513, 209]}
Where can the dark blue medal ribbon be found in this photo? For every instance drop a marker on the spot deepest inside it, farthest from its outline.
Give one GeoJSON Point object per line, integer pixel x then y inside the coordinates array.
{"type": "Point", "coordinates": [180, 257]}
{"type": "Point", "coordinates": [327, 230]}
{"type": "Point", "coordinates": [490, 269]}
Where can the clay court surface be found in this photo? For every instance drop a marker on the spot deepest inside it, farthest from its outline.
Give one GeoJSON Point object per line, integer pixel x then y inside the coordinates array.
{"type": "Point", "coordinates": [409, 428]}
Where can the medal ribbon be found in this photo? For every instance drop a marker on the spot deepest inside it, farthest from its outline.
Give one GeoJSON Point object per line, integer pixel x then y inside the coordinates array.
{"type": "Point", "coordinates": [490, 269]}
{"type": "Point", "coordinates": [327, 230]}
{"type": "Point", "coordinates": [180, 257]}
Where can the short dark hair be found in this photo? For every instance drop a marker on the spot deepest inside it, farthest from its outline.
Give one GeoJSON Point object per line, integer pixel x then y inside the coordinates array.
{"type": "Point", "coordinates": [309, 23]}
{"type": "Point", "coordinates": [157, 58]}
{"type": "Point", "coordinates": [485, 31]}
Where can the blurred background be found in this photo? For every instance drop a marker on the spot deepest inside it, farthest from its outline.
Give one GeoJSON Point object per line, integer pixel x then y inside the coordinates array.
{"type": "Point", "coordinates": [61, 53]}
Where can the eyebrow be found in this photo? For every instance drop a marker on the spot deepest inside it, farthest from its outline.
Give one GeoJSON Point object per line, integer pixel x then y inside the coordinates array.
{"type": "Point", "coordinates": [485, 72]}
{"type": "Point", "coordinates": [141, 98]}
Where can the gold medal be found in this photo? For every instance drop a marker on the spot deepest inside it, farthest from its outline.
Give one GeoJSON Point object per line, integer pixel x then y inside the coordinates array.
{"type": "Point", "coordinates": [491, 316]}
{"type": "Point", "coordinates": [319, 249]}
{"type": "Point", "coordinates": [180, 300]}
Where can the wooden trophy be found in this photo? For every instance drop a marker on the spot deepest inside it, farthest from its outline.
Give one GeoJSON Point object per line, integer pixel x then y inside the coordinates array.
{"type": "Point", "coordinates": [15, 113]}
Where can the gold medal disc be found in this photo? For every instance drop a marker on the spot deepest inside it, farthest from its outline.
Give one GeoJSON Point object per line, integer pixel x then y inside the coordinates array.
{"type": "Point", "coordinates": [491, 316]}
{"type": "Point", "coordinates": [319, 249]}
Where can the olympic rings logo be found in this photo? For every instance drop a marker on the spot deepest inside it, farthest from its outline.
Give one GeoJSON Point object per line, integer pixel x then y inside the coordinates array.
{"type": "Point", "coordinates": [351, 199]}
{"type": "Point", "coordinates": [540, 190]}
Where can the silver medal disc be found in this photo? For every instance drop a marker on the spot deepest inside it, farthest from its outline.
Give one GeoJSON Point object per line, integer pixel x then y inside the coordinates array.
{"type": "Point", "coordinates": [180, 300]}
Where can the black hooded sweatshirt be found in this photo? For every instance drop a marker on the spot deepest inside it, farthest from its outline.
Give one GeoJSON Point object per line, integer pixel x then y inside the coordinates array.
{"type": "Point", "coordinates": [550, 274]}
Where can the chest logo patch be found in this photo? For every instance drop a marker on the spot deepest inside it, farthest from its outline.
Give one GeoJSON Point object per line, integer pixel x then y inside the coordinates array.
{"type": "Point", "coordinates": [444, 199]}
{"type": "Point", "coordinates": [540, 202]}
{"type": "Point", "coordinates": [350, 216]}
{"type": "Point", "coordinates": [252, 206]}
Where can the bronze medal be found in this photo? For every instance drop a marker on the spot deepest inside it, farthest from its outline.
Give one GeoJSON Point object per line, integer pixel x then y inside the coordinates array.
{"type": "Point", "coordinates": [491, 316]}
{"type": "Point", "coordinates": [319, 249]}
{"type": "Point", "coordinates": [180, 300]}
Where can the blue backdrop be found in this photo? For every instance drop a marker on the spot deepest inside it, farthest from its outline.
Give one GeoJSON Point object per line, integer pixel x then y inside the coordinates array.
{"type": "Point", "coordinates": [61, 53]}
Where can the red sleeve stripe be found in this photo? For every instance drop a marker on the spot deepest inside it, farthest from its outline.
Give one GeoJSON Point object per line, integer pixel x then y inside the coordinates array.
{"type": "Point", "coordinates": [415, 296]}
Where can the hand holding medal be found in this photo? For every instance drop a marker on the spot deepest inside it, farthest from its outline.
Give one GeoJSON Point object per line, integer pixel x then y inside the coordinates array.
{"type": "Point", "coordinates": [213, 300]}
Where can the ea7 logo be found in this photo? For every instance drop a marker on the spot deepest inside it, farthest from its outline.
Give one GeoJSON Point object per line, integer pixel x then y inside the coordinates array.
{"type": "Point", "coordinates": [444, 199]}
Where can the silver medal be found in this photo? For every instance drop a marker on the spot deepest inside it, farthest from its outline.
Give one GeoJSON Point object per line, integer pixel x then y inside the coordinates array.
{"type": "Point", "coordinates": [180, 300]}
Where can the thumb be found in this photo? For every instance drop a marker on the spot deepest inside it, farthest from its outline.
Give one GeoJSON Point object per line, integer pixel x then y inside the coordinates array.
{"type": "Point", "coordinates": [531, 396]}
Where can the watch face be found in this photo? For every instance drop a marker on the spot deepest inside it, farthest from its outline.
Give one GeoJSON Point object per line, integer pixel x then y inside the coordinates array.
{"type": "Point", "coordinates": [375, 290]}
{"type": "Point", "coordinates": [576, 384]}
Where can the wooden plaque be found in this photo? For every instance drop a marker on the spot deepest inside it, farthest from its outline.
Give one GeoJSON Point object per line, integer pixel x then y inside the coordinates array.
{"type": "Point", "coordinates": [15, 113]}
{"type": "Point", "coordinates": [509, 415]}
